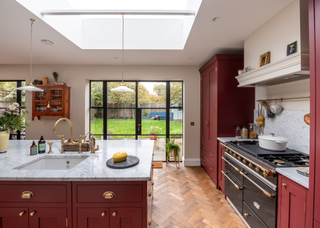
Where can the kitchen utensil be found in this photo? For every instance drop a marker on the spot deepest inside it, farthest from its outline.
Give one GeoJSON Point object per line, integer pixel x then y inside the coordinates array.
{"type": "Point", "coordinates": [274, 143]}
{"type": "Point", "coordinates": [307, 119]}
{"type": "Point", "coordinates": [275, 108]}
{"type": "Point", "coordinates": [130, 162]}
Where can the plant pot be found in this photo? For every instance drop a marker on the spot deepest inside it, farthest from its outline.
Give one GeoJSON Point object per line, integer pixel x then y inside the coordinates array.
{"type": "Point", "coordinates": [4, 139]}
{"type": "Point", "coordinates": [153, 137]}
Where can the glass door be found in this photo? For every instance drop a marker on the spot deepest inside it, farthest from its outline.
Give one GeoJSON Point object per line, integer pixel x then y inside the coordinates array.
{"type": "Point", "coordinates": [55, 101]}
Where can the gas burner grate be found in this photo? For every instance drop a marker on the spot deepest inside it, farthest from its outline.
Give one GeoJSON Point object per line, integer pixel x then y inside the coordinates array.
{"type": "Point", "coordinates": [286, 160]}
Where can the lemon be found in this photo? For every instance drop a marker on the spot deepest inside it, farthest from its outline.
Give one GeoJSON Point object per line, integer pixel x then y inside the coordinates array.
{"type": "Point", "coordinates": [261, 118]}
{"type": "Point", "coordinates": [261, 123]}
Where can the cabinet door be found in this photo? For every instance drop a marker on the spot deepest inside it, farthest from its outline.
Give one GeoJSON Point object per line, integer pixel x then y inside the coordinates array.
{"type": "Point", "coordinates": [56, 100]}
{"type": "Point", "coordinates": [47, 217]}
{"type": "Point", "coordinates": [125, 217]}
{"type": "Point", "coordinates": [14, 217]}
{"type": "Point", "coordinates": [316, 224]}
{"type": "Point", "coordinates": [205, 107]}
{"type": "Point", "coordinates": [221, 167]}
{"type": "Point", "coordinates": [93, 218]}
{"type": "Point", "coordinates": [291, 206]}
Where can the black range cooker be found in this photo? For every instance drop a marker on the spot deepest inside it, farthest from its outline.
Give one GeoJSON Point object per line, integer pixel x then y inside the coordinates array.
{"type": "Point", "coordinates": [251, 179]}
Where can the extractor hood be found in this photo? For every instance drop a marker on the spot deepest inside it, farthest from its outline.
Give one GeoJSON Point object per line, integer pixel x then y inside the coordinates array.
{"type": "Point", "coordinates": [291, 68]}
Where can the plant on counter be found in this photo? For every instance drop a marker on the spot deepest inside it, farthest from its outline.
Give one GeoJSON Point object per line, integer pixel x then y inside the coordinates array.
{"type": "Point", "coordinates": [172, 146]}
{"type": "Point", "coordinates": [11, 118]}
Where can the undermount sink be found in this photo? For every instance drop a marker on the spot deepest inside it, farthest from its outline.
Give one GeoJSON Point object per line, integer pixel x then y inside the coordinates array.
{"type": "Point", "coordinates": [53, 163]}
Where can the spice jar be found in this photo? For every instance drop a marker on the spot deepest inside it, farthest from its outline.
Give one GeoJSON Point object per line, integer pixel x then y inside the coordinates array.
{"type": "Point", "coordinates": [252, 133]}
{"type": "Point", "coordinates": [244, 133]}
{"type": "Point", "coordinates": [238, 132]}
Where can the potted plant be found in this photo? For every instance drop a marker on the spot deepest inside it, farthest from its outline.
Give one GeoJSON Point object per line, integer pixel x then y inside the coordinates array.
{"type": "Point", "coordinates": [154, 131]}
{"type": "Point", "coordinates": [173, 148]}
{"type": "Point", "coordinates": [10, 119]}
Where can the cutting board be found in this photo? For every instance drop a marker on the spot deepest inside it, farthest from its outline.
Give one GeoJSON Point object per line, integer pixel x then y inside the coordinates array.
{"type": "Point", "coordinates": [130, 162]}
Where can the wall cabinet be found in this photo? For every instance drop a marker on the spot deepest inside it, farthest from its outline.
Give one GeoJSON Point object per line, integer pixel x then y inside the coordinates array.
{"type": "Point", "coordinates": [53, 101]}
{"type": "Point", "coordinates": [223, 105]}
{"type": "Point", "coordinates": [292, 199]}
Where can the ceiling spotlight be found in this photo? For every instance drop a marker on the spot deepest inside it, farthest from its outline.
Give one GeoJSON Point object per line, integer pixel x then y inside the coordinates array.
{"type": "Point", "coordinates": [216, 19]}
{"type": "Point", "coordinates": [116, 57]}
{"type": "Point", "coordinates": [47, 42]}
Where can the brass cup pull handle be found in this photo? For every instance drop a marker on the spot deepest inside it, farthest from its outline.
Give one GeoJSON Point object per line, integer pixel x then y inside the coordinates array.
{"type": "Point", "coordinates": [246, 214]}
{"type": "Point", "coordinates": [109, 195]}
{"type": "Point", "coordinates": [114, 214]}
{"type": "Point", "coordinates": [32, 213]}
{"type": "Point", "coordinates": [21, 213]}
{"type": "Point", "coordinates": [103, 214]}
{"type": "Point", "coordinates": [27, 195]}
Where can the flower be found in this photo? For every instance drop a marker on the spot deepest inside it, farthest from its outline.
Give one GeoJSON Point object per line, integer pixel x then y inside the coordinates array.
{"type": "Point", "coordinates": [11, 107]}
{"type": "Point", "coordinates": [12, 118]}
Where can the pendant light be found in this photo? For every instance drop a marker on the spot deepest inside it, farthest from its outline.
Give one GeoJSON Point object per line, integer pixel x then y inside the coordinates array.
{"type": "Point", "coordinates": [122, 87]}
{"type": "Point", "coordinates": [30, 87]}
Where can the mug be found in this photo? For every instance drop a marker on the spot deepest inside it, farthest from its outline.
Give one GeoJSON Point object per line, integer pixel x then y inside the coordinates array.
{"type": "Point", "coordinates": [275, 108]}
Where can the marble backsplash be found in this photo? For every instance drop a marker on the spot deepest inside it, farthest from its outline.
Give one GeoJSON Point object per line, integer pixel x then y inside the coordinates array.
{"type": "Point", "coordinates": [289, 124]}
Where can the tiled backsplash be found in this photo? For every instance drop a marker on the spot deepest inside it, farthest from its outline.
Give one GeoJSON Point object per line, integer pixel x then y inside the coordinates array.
{"type": "Point", "coordinates": [289, 124]}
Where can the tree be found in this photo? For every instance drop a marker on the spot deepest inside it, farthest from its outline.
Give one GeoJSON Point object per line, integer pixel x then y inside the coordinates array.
{"type": "Point", "coordinates": [176, 93]}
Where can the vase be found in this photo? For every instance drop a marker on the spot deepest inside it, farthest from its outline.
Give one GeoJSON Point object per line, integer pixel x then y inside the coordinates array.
{"type": "Point", "coordinates": [4, 139]}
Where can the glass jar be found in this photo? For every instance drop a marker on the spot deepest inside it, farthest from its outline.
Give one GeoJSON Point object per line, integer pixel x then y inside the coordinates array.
{"type": "Point", "coordinates": [244, 133]}
{"type": "Point", "coordinates": [252, 133]}
{"type": "Point", "coordinates": [238, 132]}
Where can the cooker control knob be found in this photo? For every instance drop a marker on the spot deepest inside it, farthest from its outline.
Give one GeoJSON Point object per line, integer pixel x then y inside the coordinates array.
{"type": "Point", "coordinates": [230, 152]}
{"type": "Point", "coordinates": [239, 158]}
{"type": "Point", "coordinates": [250, 165]}
{"type": "Point", "coordinates": [234, 155]}
{"type": "Point", "coordinates": [246, 214]}
{"type": "Point", "coordinates": [257, 169]}
{"type": "Point", "coordinates": [227, 150]}
{"type": "Point", "coordinates": [244, 161]}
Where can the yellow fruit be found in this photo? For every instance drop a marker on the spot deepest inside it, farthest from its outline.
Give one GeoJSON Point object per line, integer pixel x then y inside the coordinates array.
{"type": "Point", "coordinates": [119, 156]}
{"type": "Point", "coordinates": [261, 117]}
{"type": "Point", "coordinates": [261, 123]}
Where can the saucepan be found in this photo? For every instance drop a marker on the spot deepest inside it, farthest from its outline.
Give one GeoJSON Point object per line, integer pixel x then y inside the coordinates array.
{"type": "Point", "coordinates": [272, 142]}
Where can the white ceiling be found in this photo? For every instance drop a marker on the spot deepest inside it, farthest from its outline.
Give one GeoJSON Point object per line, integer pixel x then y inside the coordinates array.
{"type": "Point", "coordinates": [238, 20]}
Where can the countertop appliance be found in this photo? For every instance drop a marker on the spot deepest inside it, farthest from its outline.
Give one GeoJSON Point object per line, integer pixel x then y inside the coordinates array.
{"type": "Point", "coordinates": [251, 180]}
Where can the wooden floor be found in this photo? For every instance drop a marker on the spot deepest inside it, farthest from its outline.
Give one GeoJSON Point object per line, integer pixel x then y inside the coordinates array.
{"type": "Point", "coordinates": [187, 197]}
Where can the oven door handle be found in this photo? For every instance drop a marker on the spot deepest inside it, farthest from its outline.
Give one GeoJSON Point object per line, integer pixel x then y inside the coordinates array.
{"type": "Point", "coordinates": [264, 191]}
{"type": "Point", "coordinates": [231, 164]}
{"type": "Point", "coordinates": [235, 185]}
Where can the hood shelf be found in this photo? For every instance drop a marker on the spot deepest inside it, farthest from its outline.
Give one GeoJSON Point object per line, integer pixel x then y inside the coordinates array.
{"type": "Point", "coordinates": [291, 68]}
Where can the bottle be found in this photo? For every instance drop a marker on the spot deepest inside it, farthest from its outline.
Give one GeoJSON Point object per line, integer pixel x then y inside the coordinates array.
{"type": "Point", "coordinates": [41, 145]}
{"type": "Point", "coordinates": [238, 132]}
{"type": "Point", "coordinates": [244, 133]}
{"type": "Point", "coordinates": [33, 149]}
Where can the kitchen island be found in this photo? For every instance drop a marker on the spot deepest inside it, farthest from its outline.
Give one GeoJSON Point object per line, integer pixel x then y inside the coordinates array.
{"type": "Point", "coordinates": [87, 195]}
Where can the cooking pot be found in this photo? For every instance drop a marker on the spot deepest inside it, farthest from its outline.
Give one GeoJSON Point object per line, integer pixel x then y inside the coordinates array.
{"type": "Point", "coordinates": [271, 142]}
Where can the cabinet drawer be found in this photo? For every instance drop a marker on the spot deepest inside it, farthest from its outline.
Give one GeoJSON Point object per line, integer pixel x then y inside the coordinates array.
{"type": "Point", "coordinates": [11, 193]}
{"type": "Point", "coordinates": [123, 193]}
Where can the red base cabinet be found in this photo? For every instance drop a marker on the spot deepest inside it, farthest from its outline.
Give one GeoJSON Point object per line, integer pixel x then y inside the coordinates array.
{"type": "Point", "coordinates": [292, 199]}
{"type": "Point", "coordinates": [223, 106]}
{"type": "Point", "coordinates": [221, 167]}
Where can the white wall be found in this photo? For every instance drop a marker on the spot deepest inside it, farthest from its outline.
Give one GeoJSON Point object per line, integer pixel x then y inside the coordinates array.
{"type": "Point", "coordinates": [78, 78]}
{"type": "Point", "coordinates": [287, 26]}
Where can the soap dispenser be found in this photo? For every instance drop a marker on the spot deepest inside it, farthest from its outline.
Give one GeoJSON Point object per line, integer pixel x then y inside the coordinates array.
{"type": "Point", "coordinates": [33, 148]}
{"type": "Point", "coordinates": [42, 145]}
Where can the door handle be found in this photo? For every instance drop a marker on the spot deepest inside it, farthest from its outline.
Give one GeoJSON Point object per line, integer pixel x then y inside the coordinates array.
{"type": "Point", "coordinates": [139, 125]}
{"type": "Point", "coordinates": [235, 185]}
{"type": "Point", "coordinates": [231, 164]}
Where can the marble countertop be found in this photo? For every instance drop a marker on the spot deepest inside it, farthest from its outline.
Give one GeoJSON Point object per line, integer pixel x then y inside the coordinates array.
{"type": "Point", "coordinates": [93, 168]}
{"type": "Point", "coordinates": [228, 139]}
{"type": "Point", "coordinates": [292, 174]}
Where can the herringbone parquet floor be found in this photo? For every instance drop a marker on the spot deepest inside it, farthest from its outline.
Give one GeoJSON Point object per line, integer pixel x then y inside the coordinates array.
{"type": "Point", "coordinates": [187, 197]}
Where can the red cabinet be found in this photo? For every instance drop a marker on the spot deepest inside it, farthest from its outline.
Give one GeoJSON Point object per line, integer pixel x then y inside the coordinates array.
{"type": "Point", "coordinates": [223, 105]}
{"type": "Point", "coordinates": [126, 217]}
{"type": "Point", "coordinates": [93, 217]}
{"type": "Point", "coordinates": [292, 199]}
{"type": "Point", "coordinates": [221, 167]}
{"type": "Point", "coordinates": [316, 224]}
{"type": "Point", "coordinates": [14, 217]}
{"type": "Point", "coordinates": [47, 217]}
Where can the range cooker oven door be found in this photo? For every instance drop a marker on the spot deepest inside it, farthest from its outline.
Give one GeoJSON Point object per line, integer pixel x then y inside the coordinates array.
{"type": "Point", "coordinates": [260, 199]}
{"type": "Point", "coordinates": [251, 218]}
{"type": "Point", "coordinates": [233, 183]}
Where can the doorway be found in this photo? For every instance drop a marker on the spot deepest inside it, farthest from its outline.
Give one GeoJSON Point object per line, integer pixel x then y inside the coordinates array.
{"type": "Point", "coordinates": [152, 111]}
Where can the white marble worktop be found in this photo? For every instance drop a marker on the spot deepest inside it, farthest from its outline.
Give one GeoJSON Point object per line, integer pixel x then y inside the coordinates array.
{"type": "Point", "coordinates": [228, 139]}
{"type": "Point", "coordinates": [93, 168]}
{"type": "Point", "coordinates": [292, 174]}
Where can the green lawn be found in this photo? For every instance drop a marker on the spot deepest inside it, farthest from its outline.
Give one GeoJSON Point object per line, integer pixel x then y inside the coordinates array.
{"type": "Point", "coordinates": [127, 126]}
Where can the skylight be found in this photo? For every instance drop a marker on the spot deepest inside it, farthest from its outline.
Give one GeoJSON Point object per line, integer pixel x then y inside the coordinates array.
{"type": "Point", "coordinates": [96, 24]}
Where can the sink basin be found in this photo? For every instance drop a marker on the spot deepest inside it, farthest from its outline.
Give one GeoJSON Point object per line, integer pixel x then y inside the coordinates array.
{"type": "Point", "coordinates": [53, 163]}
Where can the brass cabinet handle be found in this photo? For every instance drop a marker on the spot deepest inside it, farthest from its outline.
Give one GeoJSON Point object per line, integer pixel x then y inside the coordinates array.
{"type": "Point", "coordinates": [27, 195]}
{"type": "Point", "coordinates": [235, 185]}
{"type": "Point", "coordinates": [149, 222]}
{"type": "Point", "coordinates": [103, 214]}
{"type": "Point", "coordinates": [114, 214]}
{"type": "Point", "coordinates": [203, 148]}
{"type": "Point", "coordinates": [109, 195]}
{"type": "Point", "coordinates": [21, 213]}
{"type": "Point", "coordinates": [211, 155]}
{"type": "Point", "coordinates": [32, 213]}
{"type": "Point", "coordinates": [284, 185]}
{"type": "Point", "coordinates": [246, 214]}
{"type": "Point", "coordinates": [211, 168]}
{"type": "Point", "coordinates": [149, 194]}
{"type": "Point", "coordinates": [152, 183]}
{"type": "Point", "coordinates": [203, 160]}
